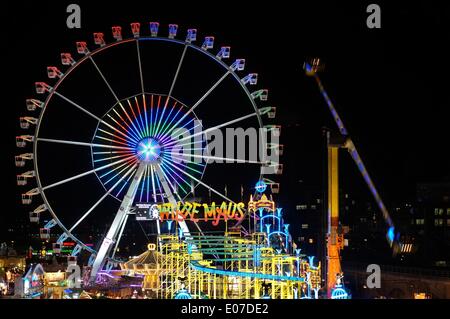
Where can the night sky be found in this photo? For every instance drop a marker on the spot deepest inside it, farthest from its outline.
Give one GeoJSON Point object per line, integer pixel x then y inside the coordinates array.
{"type": "Point", "coordinates": [389, 85]}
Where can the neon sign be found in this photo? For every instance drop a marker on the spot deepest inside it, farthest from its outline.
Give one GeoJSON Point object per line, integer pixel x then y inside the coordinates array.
{"type": "Point", "coordinates": [196, 212]}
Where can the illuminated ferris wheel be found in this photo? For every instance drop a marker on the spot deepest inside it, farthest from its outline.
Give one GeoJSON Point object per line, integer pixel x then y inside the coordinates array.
{"type": "Point", "coordinates": [135, 141]}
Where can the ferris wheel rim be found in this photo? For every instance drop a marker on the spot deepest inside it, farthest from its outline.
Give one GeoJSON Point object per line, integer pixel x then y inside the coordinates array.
{"type": "Point", "coordinates": [80, 62]}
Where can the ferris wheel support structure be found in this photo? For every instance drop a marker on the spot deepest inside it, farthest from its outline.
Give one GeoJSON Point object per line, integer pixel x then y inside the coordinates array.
{"type": "Point", "coordinates": [117, 223]}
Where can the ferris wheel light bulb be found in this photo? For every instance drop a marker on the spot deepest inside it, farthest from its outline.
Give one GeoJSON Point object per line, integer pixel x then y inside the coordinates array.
{"type": "Point", "coordinates": [148, 150]}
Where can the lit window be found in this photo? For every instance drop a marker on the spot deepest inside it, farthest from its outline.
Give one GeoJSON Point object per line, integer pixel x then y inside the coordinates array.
{"type": "Point", "coordinates": [448, 222]}
{"type": "Point", "coordinates": [438, 211]}
{"type": "Point", "coordinates": [311, 241]}
{"type": "Point", "coordinates": [448, 211]}
{"type": "Point", "coordinates": [305, 226]}
{"type": "Point", "coordinates": [313, 207]}
{"type": "Point", "coordinates": [302, 238]}
{"type": "Point", "coordinates": [438, 222]}
{"type": "Point", "coordinates": [420, 221]}
{"type": "Point", "coordinates": [301, 207]}
{"type": "Point", "coordinates": [319, 200]}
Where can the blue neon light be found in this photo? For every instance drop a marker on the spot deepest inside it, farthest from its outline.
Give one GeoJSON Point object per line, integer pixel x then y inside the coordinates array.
{"type": "Point", "coordinates": [140, 129]}
{"type": "Point", "coordinates": [339, 293]}
{"type": "Point", "coordinates": [148, 150]}
{"type": "Point", "coordinates": [261, 187]}
{"type": "Point", "coordinates": [183, 294]}
{"type": "Point", "coordinates": [391, 233]}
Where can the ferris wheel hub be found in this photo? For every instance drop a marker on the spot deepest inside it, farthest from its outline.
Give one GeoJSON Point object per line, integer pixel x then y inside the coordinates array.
{"type": "Point", "coordinates": [148, 150]}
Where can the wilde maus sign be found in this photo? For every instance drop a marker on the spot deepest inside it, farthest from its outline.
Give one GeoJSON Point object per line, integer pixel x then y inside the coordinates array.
{"type": "Point", "coordinates": [191, 211]}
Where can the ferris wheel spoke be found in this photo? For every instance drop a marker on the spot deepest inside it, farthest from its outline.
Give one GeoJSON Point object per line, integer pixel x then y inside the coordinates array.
{"type": "Point", "coordinates": [201, 183]}
{"type": "Point", "coordinates": [167, 179]}
{"type": "Point", "coordinates": [242, 118]}
{"type": "Point", "coordinates": [180, 63]}
{"type": "Point", "coordinates": [190, 144]}
{"type": "Point", "coordinates": [132, 136]}
{"type": "Point", "coordinates": [215, 85]}
{"type": "Point", "coordinates": [138, 50]}
{"type": "Point", "coordinates": [127, 137]}
{"type": "Point", "coordinates": [174, 192]}
{"type": "Point", "coordinates": [144, 128]}
{"type": "Point", "coordinates": [124, 184]}
{"type": "Point", "coordinates": [139, 134]}
{"type": "Point", "coordinates": [139, 127]}
{"type": "Point", "coordinates": [147, 132]}
{"type": "Point", "coordinates": [161, 117]}
{"type": "Point", "coordinates": [150, 126]}
{"type": "Point", "coordinates": [153, 184]}
{"type": "Point", "coordinates": [173, 132]}
{"type": "Point", "coordinates": [77, 106]}
{"type": "Point", "coordinates": [170, 171]}
{"type": "Point", "coordinates": [109, 172]}
{"type": "Point", "coordinates": [90, 210]}
{"type": "Point", "coordinates": [189, 149]}
{"type": "Point", "coordinates": [111, 158]}
{"type": "Point", "coordinates": [48, 140]}
{"type": "Point", "coordinates": [161, 189]}
{"type": "Point", "coordinates": [110, 140]}
{"type": "Point", "coordinates": [126, 164]}
{"type": "Point", "coordinates": [86, 173]}
{"type": "Point", "coordinates": [148, 185]}
{"type": "Point", "coordinates": [168, 164]}
{"type": "Point", "coordinates": [183, 159]}
{"type": "Point", "coordinates": [155, 178]}
{"type": "Point", "coordinates": [104, 79]}
{"type": "Point", "coordinates": [155, 119]}
{"type": "Point", "coordinates": [111, 152]}
{"type": "Point", "coordinates": [113, 135]}
{"type": "Point", "coordinates": [187, 167]}
{"type": "Point", "coordinates": [168, 125]}
{"type": "Point", "coordinates": [217, 158]}
{"type": "Point", "coordinates": [165, 124]}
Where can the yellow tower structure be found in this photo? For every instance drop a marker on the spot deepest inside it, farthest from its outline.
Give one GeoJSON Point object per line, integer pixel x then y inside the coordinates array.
{"type": "Point", "coordinates": [335, 238]}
